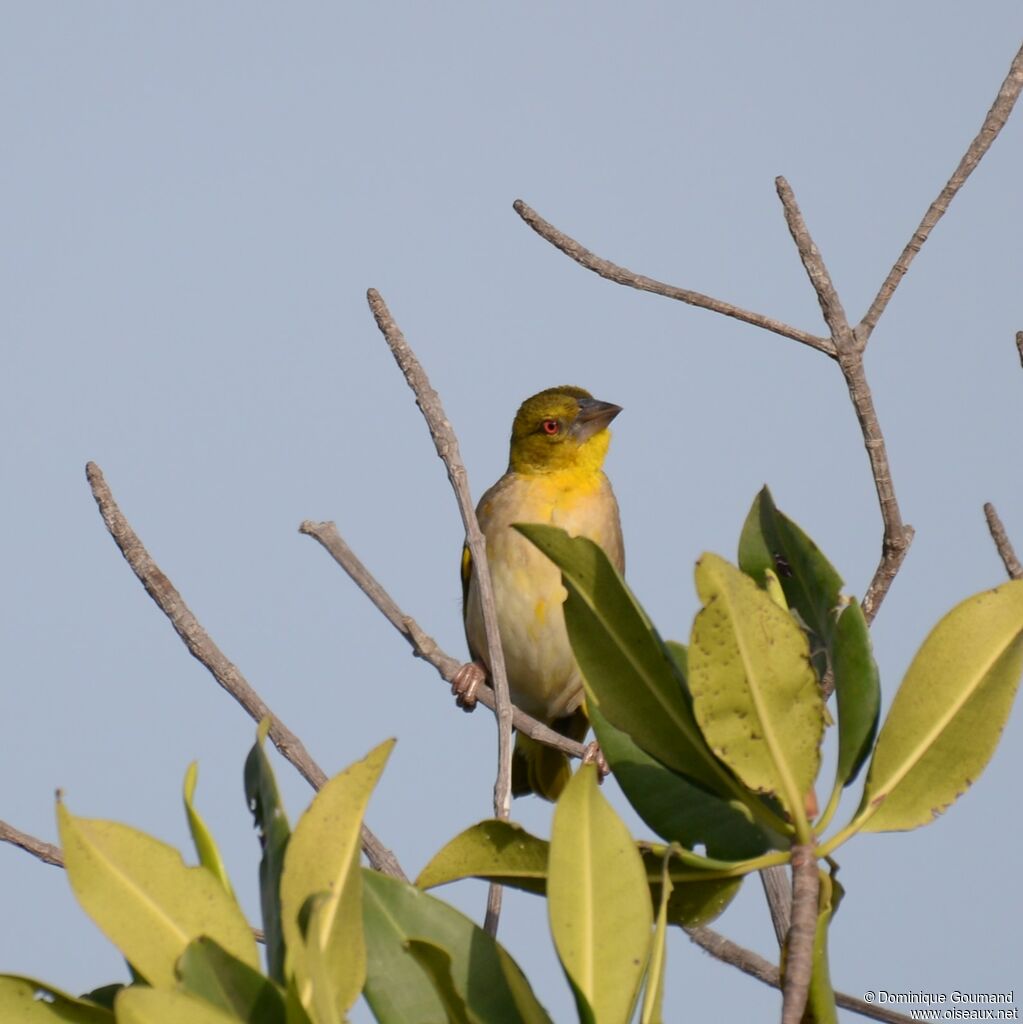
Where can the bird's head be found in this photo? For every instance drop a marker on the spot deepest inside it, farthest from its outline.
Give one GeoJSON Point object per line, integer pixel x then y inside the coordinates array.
{"type": "Point", "coordinates": [561, 428]}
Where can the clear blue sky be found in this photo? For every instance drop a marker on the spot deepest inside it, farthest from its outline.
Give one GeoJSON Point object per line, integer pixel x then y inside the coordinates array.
{"type": "Point", "coordinates": [194, 199]}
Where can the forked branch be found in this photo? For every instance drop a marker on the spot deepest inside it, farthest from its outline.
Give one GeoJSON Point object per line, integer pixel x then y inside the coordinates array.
{"type": "Point", "coordinates": [845, 344]}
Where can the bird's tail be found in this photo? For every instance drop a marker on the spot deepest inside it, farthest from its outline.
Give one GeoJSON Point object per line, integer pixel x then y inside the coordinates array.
{"type": "Point", "coordinates": [540, 769]}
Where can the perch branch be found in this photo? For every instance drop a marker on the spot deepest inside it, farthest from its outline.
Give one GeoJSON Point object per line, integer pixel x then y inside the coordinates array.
{"type": "Point", "coordinates": [605, 268]}
{"type": "Point", "coordinates": [1002, 543]}
{"type": "Point", "coordinates": [993, 124]}
{"type": "Point", "coordinates": [202, 647]}
{"type": "Point", "coordinates": [424, 646]}
{"type": "Point", "coordinates": [447, 448]}
{"type": "Point", "coordinates": [802, 930]}
{"type": "Point", "coordinates": [1019, 346]}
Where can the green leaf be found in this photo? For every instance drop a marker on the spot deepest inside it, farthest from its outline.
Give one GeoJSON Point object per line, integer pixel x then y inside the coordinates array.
{"type": "Point", "coordinates": [857, 692]}
{"type": "Point", "coordinates": [754, 693]}
{"type": "Point", "coordinates": [208, 971]}
{"type": "Point", "coordinates": [104, 995]}
{"type": "Point", "coordinates": [597, 899]}
{"type": "Point", "coordinates": [323, 857]}
{"type": "Point", "coordinates": [673, 807]}
{"type": "Point", "coordinates": [205, 845]}
{"type": "Point", "coordinates": [653, 994]}
{"type": "Point", "coordinates": [499, 851]}
{"type": "Point", "coordinates": [144, 898]}
{"type": "Point", "coordinates": [691, 904]}
{"type": "Point", "coordinates": [436, 963]}
{"type": "Point", "coordinates": [26, 1001]}
{"type": "Point", "coordinates": [397, 989]}
{"type": "Point", "coordinates": [274, 833]}
{"type": "Point", "coordinates": [625, 665]}
{"type": "Point", "coordinates": [770, 541]}
{"type": "Point", "coordinates": [945, 721]}
{"type": "Point", "coordinates": [142, 1005]}
{"type": "Point", "coordinates": [503, 852]}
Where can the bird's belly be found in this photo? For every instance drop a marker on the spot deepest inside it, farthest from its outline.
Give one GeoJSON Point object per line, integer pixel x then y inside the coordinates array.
{"type": "Point", "coordinates": [543, 677]}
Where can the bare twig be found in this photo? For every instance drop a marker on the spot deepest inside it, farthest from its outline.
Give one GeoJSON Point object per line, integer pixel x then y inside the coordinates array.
{"type": "Point", "coordinates": [1002, 543]}
{"type": "Point", "coordinates": [816, 270]}
{"type": "Point", "coordinates": [763, 970]}
{"type": "Point", "coordinates": [1019, 346]}
{"type": "Point", "coordinates": [424, 646]}
{"type": "Point", "coordinates": [46, 852]}
{"type": "Point", "coordinates": [202, 647]}
{"type": "Point", "coordinates": [802, 930]}
{"type": "Point", "coordinates": [993, 124]}
{"type": "Point", "coordinates": [447, 448]}
{"type": "Point", "coordinates": [605, 268]}
{"type": "Point", "coordinates": [849, 348]}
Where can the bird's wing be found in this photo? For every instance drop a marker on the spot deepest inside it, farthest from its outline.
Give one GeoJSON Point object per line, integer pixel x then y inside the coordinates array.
{"type": "Point", "coordinates": [466, 576]}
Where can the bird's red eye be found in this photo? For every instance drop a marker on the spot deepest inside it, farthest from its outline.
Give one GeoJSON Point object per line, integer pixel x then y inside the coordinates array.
{"type": "Point", "coordinates": [550, 427]}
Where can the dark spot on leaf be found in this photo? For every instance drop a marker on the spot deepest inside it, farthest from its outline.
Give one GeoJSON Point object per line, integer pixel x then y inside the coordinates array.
{"type": "Point", "coordinates": [782, 566]}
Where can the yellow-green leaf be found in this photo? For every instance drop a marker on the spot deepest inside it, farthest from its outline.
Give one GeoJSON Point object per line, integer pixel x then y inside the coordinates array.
{"type": "Point", "coordinates": [653, 995]}
{"type": "Point", "coordinates": [945, 721]}
{"type": "Point", "coordinates": [141, 1005]}
{"type": "Point", "coordinates": [205, 845]}
{"type": "Point", "coordinates": [501, 851]}
{"type": "Point", "coordinates": [754, 692]}
{"type": "Point", "coordinates": [145, 899]}
{"type": "Point", "coordinates": [26, 1001]}
{"type": "Point", "coordinates": [497, 850]}
{"type": "Point", "coordinates": [598, 900]}
{"type": "Point", "coordinates": [323, 857]}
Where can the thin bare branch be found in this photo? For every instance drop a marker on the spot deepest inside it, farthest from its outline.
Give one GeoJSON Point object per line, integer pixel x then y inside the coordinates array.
{"type": "Point", "coordinates": [424, 646]}
{"type": "Point", "coordinates": [763, 970]}
{"type": "Point", "coordinates": [993, 124]}
{"type": "Point", "coordinates": [202, 647]}
{"type": "Point", "coordinates": [849, 348]}
{"type": "Point", "coordinates": [802, 930]}
{"type": "Point", "coordinates": [1002, 543]}
{"type": "Point", "coordinates": [816, 270]}
{"type": "Point", "coordinates": [570, 247]}
{"type": "Point", "coordinates": [447, 448]}
{"type": "Point", "coordinates": [1019, 346]}
{"type": "Point", "coordinates": [46, 852]}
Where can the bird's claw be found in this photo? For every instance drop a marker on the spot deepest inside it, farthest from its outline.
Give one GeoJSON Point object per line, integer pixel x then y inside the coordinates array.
{"type": "Point", "coordinates": [466, 682]}
{"type": "Point", "coordinates": [594, 755]}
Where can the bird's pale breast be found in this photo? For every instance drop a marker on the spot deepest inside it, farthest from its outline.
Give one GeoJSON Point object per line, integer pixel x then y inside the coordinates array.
{"type": "Point", "coordinates": [542, 673]}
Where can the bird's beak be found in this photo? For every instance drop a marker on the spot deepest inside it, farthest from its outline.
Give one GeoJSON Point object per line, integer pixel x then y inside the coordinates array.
{"type": "Point", "coordinates": [593, 417]}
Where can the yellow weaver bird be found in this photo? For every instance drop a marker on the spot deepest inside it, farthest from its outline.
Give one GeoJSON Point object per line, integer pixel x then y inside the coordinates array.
{"type": "Point", "coordinates": [558, 444]}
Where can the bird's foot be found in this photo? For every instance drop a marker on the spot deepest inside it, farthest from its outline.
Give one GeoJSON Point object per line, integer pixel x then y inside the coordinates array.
{"type": "Point", "coordinates": [466, 682]}
{"type": "Point", "coordinates": [594, 755]}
